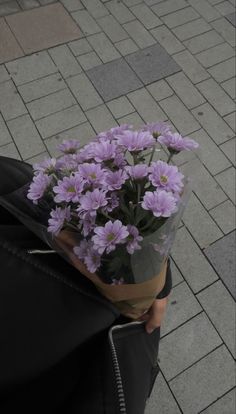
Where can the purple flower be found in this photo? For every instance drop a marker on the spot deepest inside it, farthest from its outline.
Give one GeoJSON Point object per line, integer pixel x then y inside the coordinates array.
{"type": "Point", "coordinates": [117, 281]}
{"type": "Point", "coordinates": [92, 201]}
{"type": "Point", "coordinates": [133, 239]}
{"type": "Point", "coordinates": [157, 129]}
{"type": "Point", "coordinates": [69, 146]}
{"type": "Point", "coordinates": [161, 203]}
{"type": "Point", "coordinates": [135, 141]}
{"type": "Point", "coordinates": [93, 174]}
{"type": "Point", "coordinates": [113, 202]}
{"type": "Point", "coordinates": [38, 187]}
{"type": "Point", "coordinates": [67, 163]}
{"type": "Point", "coordinates": [166, 176]}
{"type": "Point", "coordinates": [88, 255]}
{"type": "Point", "coordinates": [69, 189]}
{"type": "Point", "coordinates": [88, 223]}
{"type": "Point", "coordinates": [92, 260]}
{"type": "Point", "coordinates": [106, 238]}
{"type": "Point", "coordinates": [137, 172]}
{"type": "Point", "coordinates": [104, 151]}
{"type": "Point", "coordinates": [47, 166]}
{"type": "Point", "coordinates": [113, 132]}
{"type": "Point", "coordinates": [59, 217]}
{"type": "Point", "coordinates": [115, 180]}
{"type": "Point", "coordinates": [176, 142]}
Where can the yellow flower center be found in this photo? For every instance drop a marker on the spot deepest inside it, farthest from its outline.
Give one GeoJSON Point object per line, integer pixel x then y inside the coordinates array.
{"type": "Point", "coordinates": [110, 237]}
{"type": "Point", "coordinates": [71, 189]}
{"type": "Point", "coordinates": [93, 176]}
{"type": "Point", "coordinates": [164, 179]}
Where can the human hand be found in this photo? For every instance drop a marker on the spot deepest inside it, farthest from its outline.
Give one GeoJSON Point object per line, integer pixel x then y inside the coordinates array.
{"type": "Point", "coordinates": [155, 315]}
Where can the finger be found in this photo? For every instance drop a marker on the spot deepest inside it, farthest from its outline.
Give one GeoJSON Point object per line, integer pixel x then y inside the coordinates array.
{"type": "Point", "coordinates": [152, 324]}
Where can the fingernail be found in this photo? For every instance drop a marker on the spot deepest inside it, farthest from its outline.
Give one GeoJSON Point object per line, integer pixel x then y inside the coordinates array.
{"type": "Point", "coordinates": [149, 331]}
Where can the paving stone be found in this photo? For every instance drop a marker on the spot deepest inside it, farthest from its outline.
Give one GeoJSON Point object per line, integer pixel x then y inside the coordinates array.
{"type": "Point", "coordinates": [9, 8]}
{"type": "Point", "coordinates": [210, 154]}
{"type": "Point", "coordinates": [10, 150]}
{"type": "Point", "coordinates": [131, 3]}
{"type": "Point", "coordinates": [210, 299]}
{"type": "Point", "coordinates": [215, 373]}
{"type": "Point", "coordinates": [10, 49]}
{"type": "Point", "coordinates": [120, 107]}
{"type": "Point", "coordinates": [180, 17]}
{"type": "Point", "coordinates": [208, 232]}
{"type": "Point", "coordinates": [38, 158]}
{"type": "Point", "coordinates": [208, 12]}
{"type": "Point", "coordinates": [162, 398]}
{"type": "Point", "coordinates": [216, 96]}
{"type": "Point", "coordinates": [83, 132]}
{"type": "Point", "coordinates": [185, 90]}
{"type": "Point", "coordinates": [230, 87]}
{"type": "Point", "coordinates": [11, 104]}
{"type": "Point", "coordinates": [193, 341]}
{"type": "Point", "coordinates": [191, 66]}
{"type": "Point", "coordinates": [86, 22]}
{"type": "Point", "coordinates": [182, 306]}
{"type": "Point", "coordinates": [120, 11]}
{"type": "Point", "coordinates": [191, 29]}
{"type": "Point", "coordinates": [31, 67]}
{"type": "Point", "coordinates": [223, 71]}
{"type": "Point", "coordinates": [215, 55]}
{"type": "Point", "coordinates": [3, 74]}
{"type": "Point", "coordinates": [169, 6]}
{"type": "Point", "coordinates": [160, 90]}
{"type": "Point", "coordinates": [104, 48]}
{"type": "Point", "coordinates": [114, 79]}
{"type": "Point", "coordinates": [100, 118]}
{"type": "Point", "coordinates": [24, 131]}
{"type": "Point", "coordinates": [227, 181]}
{"type": "Point", "coordinates": [41, 87]}
{"type": "Point", "coordinates": [126, 47]}
{"type": "Point", "coordinates": [95, 8]}
{"type": "Point", "coordinates": [231, 119]}
{"type": "Point", "coordinates": [43, 27]}
{"type": "Point", "coordinates": [225, 8]}
{"type": "Point", "coordinates": [139, 34]}
{"type": "Point", "coordinates": [179, 115]}
{"type": "Point", "coordinates": [60, 121]}
{"type": "Point", "coordinates": [89, 60]}
{"type": "Point", "coordinates": [214, 125]}
{"type": "Point", "coordinates": [65, 61]}
{"type": "Point", "coordinates": [222, 256]}
{"type": "Point", "coordinates": [72, 5]}
{"type": "Point", "coordinates": [224, 215]}
{"type": "Point", "coordinates": [28, 4]}
{"type": "Point", "coordinates": [176, 275]}
{"type": "Point", "coordinates": [5, 137]}
{"type": "Point", "coordinates": [167, 39]}
{"type": "Point", "coordinates": [50, 104]}
{"type": "Point", "coordinates": [84, 91]}
{"type": "Point", "coordinates": [132, 119]}
{"type": "Point", "coordinates": [193, 265]}
{"type": "Point", "coordinates": [112, 28]}
{"type": "Point", "coordinates": [146, 106]}
{"type": "Point", "coordinates": [152, 63]}
{"type": "Point", "coordinates": [229, 149]}
{"type": "Point", "coordinates": [231, 18]}
{"type": "Point", "coordinates": [146, 16]}
{"type": "Point", "coordinates": [226, 30]}
{"type": "Point", "coordinates": [203, 41]}
{"type": "Point", "coordinates": [80, 47]}
{"type": "Point", "coordinates": [225, 405]}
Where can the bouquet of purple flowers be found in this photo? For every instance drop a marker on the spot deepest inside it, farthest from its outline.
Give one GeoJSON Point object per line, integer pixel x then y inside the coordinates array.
{"type": "Point", "coordinates": [112, 209]}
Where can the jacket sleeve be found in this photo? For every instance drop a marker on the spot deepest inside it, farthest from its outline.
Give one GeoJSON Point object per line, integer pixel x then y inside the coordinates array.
{"type": "Point", "coordinates": [168, 283]}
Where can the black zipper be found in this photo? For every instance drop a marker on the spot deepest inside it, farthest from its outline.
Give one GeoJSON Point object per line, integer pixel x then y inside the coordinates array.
{"type": "Point", "coordinates": [116, 367]}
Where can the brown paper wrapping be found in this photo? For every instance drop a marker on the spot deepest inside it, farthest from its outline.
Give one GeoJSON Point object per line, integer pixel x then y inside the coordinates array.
{"type": "Point", "coordinates": [132, 300]}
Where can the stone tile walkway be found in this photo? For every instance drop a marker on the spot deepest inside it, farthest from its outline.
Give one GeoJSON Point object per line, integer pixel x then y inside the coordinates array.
{"type": "Point", "coordinates": [76, 67]}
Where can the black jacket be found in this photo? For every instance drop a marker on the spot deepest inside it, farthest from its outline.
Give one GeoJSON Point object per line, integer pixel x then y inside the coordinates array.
{"type": "Point", "coordinates": [63, 346]}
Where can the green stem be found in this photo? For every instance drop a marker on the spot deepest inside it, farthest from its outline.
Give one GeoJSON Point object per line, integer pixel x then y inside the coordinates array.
{"type": "Point", "coordinates": [148, 224]}
{"type": "Point", "coordinates": [106, 215]}
{"type": "Point", "coordinates": [169, 158]}
{"type": "Point", "coordinates": [152, 155]}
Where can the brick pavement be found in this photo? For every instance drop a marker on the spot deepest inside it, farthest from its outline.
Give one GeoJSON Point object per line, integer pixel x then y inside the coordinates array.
{"type": "Point", "coordinates": [76, 67]}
